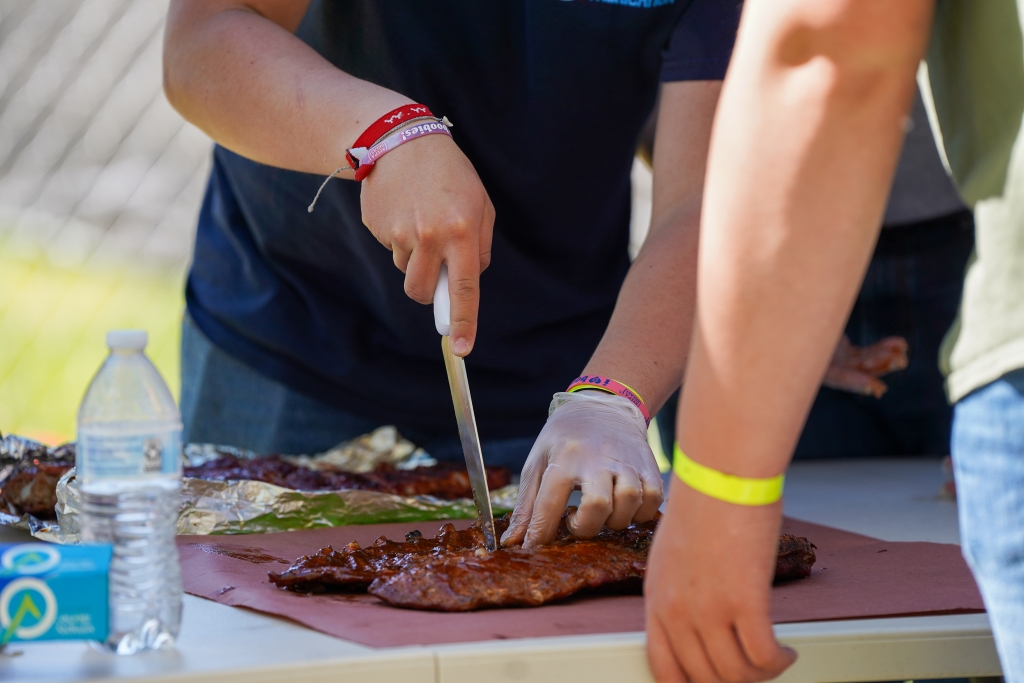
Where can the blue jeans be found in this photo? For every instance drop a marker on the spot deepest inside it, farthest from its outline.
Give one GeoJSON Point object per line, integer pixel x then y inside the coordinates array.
{"type": "Point", "coordinates": [988, 459]}
{"type": "Point", "coordinates": [224, 401]}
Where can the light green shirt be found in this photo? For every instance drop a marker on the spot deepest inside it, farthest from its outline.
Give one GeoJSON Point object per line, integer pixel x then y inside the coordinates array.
{"type": "Point", "coordinates": [976, 73]}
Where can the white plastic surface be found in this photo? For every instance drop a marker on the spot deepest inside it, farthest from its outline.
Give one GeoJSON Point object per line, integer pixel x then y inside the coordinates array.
{"type": "Point", "coordinates": [226, 644]}
{"type": "Point", "coordinates": [442, 303]}
{"type": "Point", "coordinates": [127, 340]}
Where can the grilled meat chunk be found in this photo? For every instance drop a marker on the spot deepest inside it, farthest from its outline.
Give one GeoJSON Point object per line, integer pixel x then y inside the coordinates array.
{"type": "Point", "coordinates": [33, 490]}
{"type": "Point", "coordinates": [355, 568]}
{"type": "Point", "coordinates": [796, 557]}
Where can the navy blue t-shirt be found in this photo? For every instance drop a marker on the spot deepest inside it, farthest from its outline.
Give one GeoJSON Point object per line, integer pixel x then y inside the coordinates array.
{"type": "Point", "coordinates": [548, 98]}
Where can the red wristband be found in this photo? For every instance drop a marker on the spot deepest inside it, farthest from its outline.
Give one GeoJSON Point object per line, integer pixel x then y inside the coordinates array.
{"type": "Point", "coordinates": [366, 158]}
{"type": "Point", "coordinates": [385, 124]}
{"type": "Point", "coordinates": [612, 387]}
{"type": "Point", "coordinates": [374, 136]}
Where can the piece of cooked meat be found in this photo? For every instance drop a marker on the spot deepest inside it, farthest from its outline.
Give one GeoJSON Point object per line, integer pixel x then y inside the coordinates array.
{"type": "Point", "coordinates": [444, 480]}
{"type": "Point", "coordinates": [795, 559]}
{"type": "Point", "coordinates": [355, 568]}
{"type": "Point", "coordinates": [478, 579]}
{"type": "Point", "coordinates": [33, 490]}
{"type": "Point", "coordinates": [453, 571]}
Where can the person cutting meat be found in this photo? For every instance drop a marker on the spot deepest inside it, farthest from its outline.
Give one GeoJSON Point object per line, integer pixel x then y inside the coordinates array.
{"type": "Point", "coordinates": [302, 330]}
{"type": "Point", "coordinates": [511, 128]}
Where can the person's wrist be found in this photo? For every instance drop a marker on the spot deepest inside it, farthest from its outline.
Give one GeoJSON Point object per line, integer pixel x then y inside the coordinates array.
{"type": "Point", "coordinates": [603, 383]}
{"type": "Point", "coordinates": [728, 488]}
{"type": "Point", "coordinates": [611, 408]}
{"type": "Point", "coordinates": [392, 130]}
{"type": "Point", "coordinates": [364, 159]}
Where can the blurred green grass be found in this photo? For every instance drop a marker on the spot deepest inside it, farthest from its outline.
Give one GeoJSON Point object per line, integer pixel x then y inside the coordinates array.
{"type": "Point", "coordinates": [53, 320]}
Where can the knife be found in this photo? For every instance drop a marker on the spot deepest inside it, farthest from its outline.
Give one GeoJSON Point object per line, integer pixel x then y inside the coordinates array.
{"type": "Point", "coordinates": [459, 384]}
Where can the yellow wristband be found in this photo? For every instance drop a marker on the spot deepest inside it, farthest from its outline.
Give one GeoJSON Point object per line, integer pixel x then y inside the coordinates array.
{"type": "Point", "coordinates": [726, 487]}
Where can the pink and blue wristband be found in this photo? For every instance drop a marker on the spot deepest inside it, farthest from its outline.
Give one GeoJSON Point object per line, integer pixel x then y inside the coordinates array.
{"type": "Point", "coordinates": [610, 386]}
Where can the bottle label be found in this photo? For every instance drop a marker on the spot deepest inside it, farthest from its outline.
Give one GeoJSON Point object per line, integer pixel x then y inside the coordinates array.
{"type": "Point", "coordinates": [115, 456]}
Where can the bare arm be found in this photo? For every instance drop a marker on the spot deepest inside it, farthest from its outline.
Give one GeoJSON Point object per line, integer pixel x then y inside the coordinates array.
{"type": "Point", "coordinates": [235, 69]}
{"type": "Point", "coordinates": [793, 204]}
{"type": "Point", "coordinates": [646, 342]}
{"type": "Point", "coordinates": [596, 447]}
{"type": "Point", "coordinates": [803, 151]}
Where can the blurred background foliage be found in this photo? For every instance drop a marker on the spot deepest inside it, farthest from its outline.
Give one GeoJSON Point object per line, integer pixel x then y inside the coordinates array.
{"type": "Point", "coordinates": [52, 325]}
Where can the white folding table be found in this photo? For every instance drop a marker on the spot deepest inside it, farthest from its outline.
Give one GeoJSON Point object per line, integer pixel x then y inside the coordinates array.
{"type": "Point", "coordinates": [895, 500]}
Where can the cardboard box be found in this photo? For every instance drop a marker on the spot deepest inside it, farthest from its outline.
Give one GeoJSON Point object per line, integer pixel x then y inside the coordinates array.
{"type": "Point", "coordinates": [53, 592]}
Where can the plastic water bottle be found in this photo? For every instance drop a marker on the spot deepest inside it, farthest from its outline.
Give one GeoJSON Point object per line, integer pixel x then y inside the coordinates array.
{"type": "Point", "coordinates": [129, 474]}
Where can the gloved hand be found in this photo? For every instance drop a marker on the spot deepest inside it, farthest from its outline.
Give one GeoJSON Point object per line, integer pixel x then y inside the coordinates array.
{"type": "Point", "coordinates": [595, 442]}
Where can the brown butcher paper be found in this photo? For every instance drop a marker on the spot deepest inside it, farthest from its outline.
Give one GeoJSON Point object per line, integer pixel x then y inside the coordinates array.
{"type": "Point", "coordinates": [855, 577]}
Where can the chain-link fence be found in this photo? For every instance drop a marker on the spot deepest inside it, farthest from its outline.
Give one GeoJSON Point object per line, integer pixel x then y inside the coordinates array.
{"type": "Point", "coordinates": [100, 183]}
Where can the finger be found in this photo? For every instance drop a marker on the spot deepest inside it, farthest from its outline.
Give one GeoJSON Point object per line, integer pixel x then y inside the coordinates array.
{"type": "Point", "coordinates": [727, 655]}
{"type": "Point", "coordinates": [464, 291]}
{"type": "Point", "coordinates": [690, 653]}
{"type": "Point", "coordinates": [627, 496]}
{"type": "Point", "coordinates": [595, 506]}
{"type": "Point", "coordinates": [529, 484]}
{"type": "Point", "coordinates": [486, 235]}
{"type": "Point", "coordinates": [401, 257]}
{"type": "Point", "coordinates": [755, 635]}
{"type": "Point", "coordinates": [884, 357]}
{"type": "Point", "coordinates": [660, 657]}
{"type": "Point", "coordinates": [652, 495]}
{"type": "Point", "coordinates": [421, 275]}
{"type": "Point", "coordinates": [556, 485]}
{"type": "Point", "coordinates": [853, 381]}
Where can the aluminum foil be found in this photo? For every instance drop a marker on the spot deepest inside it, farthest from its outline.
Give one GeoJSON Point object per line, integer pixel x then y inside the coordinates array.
{"type": "Point", "coordinates": [17, 453]}
{"type": "Point", "coordinates": [244, 507]}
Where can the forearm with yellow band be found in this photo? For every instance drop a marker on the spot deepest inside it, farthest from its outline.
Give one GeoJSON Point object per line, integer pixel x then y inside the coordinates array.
{"type": "Point", "coordinates": [726, 487]}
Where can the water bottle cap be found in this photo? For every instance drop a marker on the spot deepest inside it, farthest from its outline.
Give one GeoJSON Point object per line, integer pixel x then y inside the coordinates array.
{"type": "Point", "coordinates": [127, 340]}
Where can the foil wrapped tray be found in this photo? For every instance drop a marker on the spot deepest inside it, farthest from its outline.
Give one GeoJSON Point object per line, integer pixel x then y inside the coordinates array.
{"type": "Point", "coordinates": [246, 506]}
{"type": "Point", "coordinates": [17, 454]}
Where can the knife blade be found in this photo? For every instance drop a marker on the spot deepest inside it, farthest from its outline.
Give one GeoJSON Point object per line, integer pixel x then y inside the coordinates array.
{"type": "Point", "coordinates": [458, 382]}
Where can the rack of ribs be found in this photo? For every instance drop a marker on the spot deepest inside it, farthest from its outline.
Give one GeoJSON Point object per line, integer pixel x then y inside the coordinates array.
{"type": "Point", "coordinates": [453, 571]}
{"type": "Point", "coordinates": [444, 480]}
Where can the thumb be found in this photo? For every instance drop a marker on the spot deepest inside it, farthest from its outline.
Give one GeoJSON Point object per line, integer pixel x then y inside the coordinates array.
{"type": "Point", "coordinates": [529, 484]}
{"type": "Point", "coordinates": [763, 651]}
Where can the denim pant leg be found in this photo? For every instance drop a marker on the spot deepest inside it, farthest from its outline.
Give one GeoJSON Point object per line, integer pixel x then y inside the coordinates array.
{"type": "Point", "coordinates": [224, 401]}
{"type": "Point", "coordinates": [988, 456]}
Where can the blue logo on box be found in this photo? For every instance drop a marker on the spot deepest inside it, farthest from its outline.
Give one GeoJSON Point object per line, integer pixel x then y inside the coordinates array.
{"type": "Point", "coordinates": [53, 593]}
{"type": "Point", "coordinates": [28, 608]}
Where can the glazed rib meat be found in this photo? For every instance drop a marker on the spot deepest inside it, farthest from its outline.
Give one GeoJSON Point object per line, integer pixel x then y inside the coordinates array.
{"type": "Point", "coordinates": [453, 572]}
{"type": "Point", "coordinates": [478, 579]}
{"type": "Point", "coordinates": [444, 480]}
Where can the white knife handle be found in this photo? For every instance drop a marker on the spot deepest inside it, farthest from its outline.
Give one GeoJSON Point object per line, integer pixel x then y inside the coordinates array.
{"type": "Point", "coordinates": [442, 304]}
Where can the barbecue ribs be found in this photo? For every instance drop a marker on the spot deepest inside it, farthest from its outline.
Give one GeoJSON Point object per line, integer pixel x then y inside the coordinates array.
{"type": "Point", "coordinates": [444, 480]}
{"type": "Point", "coordinates": [453, 572]}
{"type": "Point", "coordinates": [33, 490]}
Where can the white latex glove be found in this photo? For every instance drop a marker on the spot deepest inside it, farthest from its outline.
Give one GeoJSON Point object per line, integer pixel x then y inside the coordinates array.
{"type": "Point", "coordinates": [595, 442]}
